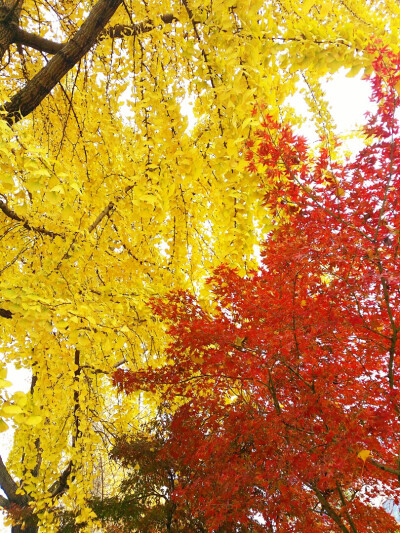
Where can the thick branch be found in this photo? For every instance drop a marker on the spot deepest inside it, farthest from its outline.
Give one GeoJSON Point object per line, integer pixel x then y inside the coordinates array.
{"type": "Point", "coordinates": [4, 503]}
{"type": "Point", "coordinates": [7, 483]}
{"type": "Point", "coordinates": [10, 11]}
{"type": "Point", "coordinates": [35, 41]}
{"type": "Point", "coordinates": [28, 98]}
{"type": "Point", "coordinates": [13, 9]}
{"type": "Point", "coordinates": [5, 313]}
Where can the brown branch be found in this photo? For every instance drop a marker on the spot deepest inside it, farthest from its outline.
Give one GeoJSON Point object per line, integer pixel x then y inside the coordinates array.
{"type": "Point", "coordinates": [35, 41]}
{"type": "Point", "coordinates": [14, 10]}
{"type": "Point", "coordinates": [119, 31]}
{"type": "Point", "coordinates": [272, 390]}
{"type": "Point", "coordinates": [329, 509]}
{"type": "Point", "coordinates": [106, 211]}
{"type": "Point", "coordinates": [77, 374]}
{"type": "Point", "coordinates": [105, 372]}
{"type": "Point", "coordinates": [383, 467]}
{"type": "Point", "coordinates": [4, 503]}
{"type": "Point", "coordinates": [103, 214]}
{"type": "Point", "coordinates": [9, 17]}
{"type": "Point", "coordinates": [395, 330]}
{"type": "Point", "coordinates": [5, 313]}
{"type": "Point", "coordinates": [60, 486]}
{"type": "Point", "coordinates": [344, 503]}
{"type": "Point", "coordinates": [128, 30]}
{"type": "Point", "coordinates": [13, 215]}
{"type": "Point", "coordinates": [8, 485]}
{"type": "Point", "coordinates": [30, 96]}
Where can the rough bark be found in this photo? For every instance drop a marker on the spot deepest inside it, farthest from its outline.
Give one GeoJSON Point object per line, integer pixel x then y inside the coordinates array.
{"type": "Point", "coordinates": [7, 32]}
{"type": "Point", "coordinates": [8, 485]}
{"type": "Point", "coordinates": [10, 11]}
{"type": "Point", "coordinates": [35, 41]}
{"type": "Point", "coordinates": [65, 55]}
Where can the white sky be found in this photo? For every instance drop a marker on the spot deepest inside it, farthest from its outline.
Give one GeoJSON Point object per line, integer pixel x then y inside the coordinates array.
{"type": "Point", "coordinates": [349, 101]}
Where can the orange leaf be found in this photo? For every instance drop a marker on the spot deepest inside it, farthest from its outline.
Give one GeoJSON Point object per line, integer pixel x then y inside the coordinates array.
{"type": "Point", "coordinates": [364, 454]}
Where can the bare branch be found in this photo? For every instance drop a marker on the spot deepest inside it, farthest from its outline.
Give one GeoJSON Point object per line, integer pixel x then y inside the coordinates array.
{"type": "Point", "coordinates": [77, 374]}
{"type": "Point", "coordinates": [344, 503]}
{"type": "Point", "coordinates": [330, 511]}
{"type": "Point", "coordinates": [107, 210]}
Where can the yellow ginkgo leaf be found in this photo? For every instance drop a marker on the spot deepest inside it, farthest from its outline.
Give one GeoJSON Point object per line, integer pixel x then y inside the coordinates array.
{"type": "Point", "coordinates": [10, 410]}
{"type": "Point", "coordinates": [240, 342]}
{"type": "Point", "coordinates": [33, 420]}
{"type": "Point", "coordinates": [20, 399]}
{"type": "Point", "coordinates": [364, 454]}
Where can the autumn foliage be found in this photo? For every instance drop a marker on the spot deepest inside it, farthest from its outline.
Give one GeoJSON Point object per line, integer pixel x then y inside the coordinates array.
{"type": "Point", "coordinates": [113, 191]}
{"type": "Point", "coordinates": [286, 383]}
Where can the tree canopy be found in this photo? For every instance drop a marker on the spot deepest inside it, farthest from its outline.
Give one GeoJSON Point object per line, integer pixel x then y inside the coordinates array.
{"type": "Point", "coordinates": [110, 195]}
{"type": "Point", "coordinates": [284, 387]}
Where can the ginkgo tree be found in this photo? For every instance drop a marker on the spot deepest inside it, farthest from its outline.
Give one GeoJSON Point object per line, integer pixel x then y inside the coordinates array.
{"type": "Point", "coordinates": [284, 385]}
{"type": "Point", "coordinates": [108, 198]}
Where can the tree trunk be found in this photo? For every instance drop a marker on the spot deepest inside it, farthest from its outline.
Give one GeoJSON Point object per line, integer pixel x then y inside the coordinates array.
{"type": "Point", "coordinates": [6, 37]}
{"type": "Point", "coordinates": [10, 11]}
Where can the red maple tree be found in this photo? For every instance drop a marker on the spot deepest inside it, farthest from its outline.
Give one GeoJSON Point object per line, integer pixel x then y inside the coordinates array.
{"type": "Point", "coordinates": [287, 390]}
